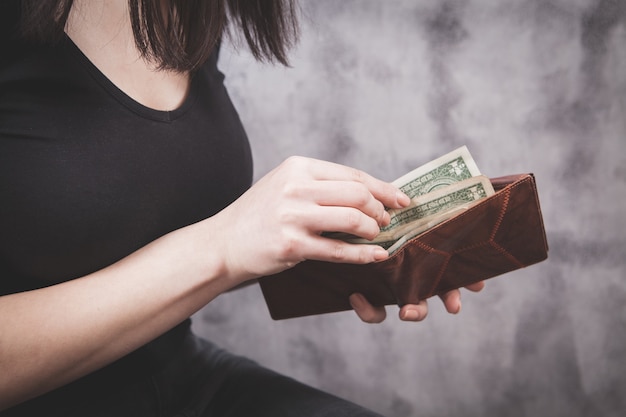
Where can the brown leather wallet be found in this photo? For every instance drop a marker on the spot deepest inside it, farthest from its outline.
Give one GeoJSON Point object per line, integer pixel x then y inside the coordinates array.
{"type": "Point", "coordinates": [502, 233]}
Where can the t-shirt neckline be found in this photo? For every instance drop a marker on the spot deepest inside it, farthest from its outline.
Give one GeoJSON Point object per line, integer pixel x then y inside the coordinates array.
{"type": "Point", "coordinates": [125, 99]}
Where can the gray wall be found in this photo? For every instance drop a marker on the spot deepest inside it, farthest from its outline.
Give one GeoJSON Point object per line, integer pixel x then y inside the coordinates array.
{"type": "Point", "coordinates": [530, 86]}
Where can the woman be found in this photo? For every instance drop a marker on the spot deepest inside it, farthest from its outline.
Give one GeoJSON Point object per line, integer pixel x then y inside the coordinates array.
{"type": "Point", "coordinates": [124, 172]}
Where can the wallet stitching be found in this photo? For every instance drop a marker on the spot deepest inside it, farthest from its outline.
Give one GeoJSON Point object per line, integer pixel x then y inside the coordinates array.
{"type": "Point", "coordinates": [492, 239]}
{"type": "Point", "coordinates": [529, 179]}
{"type": "Point", "coordinates": [446, 255]}
{"type": "Point", "coordinates": [471, 247]}
{"type": "Point", "coordinates": [506, 190]}
{"type": "Point", "coordinates": [505, 205]}
{"type": "Point", "coordinates": [437, 280]}
{"type": "Point", "coordinates": [537, 205]}
{"type": "Point", "coordinates": [508, 255]}
{"type": "Point", "coordinates": [505, 194]}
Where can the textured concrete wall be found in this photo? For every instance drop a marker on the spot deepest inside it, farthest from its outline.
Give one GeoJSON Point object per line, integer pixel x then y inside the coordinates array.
{"type": "Point", "coordinates": [530, 86]}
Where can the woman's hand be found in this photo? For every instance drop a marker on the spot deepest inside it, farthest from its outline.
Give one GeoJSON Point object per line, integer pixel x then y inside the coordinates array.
{"type": "Point", "coordinates": [410, 312]}
{"type": "Point", "coordinates": [279, 221]}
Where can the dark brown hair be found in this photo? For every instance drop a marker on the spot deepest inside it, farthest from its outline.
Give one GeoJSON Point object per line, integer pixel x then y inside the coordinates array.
{"type": "Point", "coordinates": [181, 37]}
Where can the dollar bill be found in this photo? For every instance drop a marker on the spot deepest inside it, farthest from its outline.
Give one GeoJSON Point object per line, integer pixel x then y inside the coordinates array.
{"type": "Point", "coordinates": [448, 169]}
{"type": "Point", "coordinates": [438, 190]}
{"type": "Point", "coordinates": [440, 201]}
{"type": "Point", "coordinates": [430, 209]}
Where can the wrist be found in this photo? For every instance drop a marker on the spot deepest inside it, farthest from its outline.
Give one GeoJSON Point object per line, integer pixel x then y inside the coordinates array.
{"type": "Point", "coordinates": [212, 252]}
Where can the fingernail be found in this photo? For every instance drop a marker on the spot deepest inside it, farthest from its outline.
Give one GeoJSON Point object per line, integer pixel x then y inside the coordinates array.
{"type": "Point", "coordinates": [410, 315]}
{"type": "Point", "coordinates": [380, 253]}
{"type": "Point", "coordinates": [386, 218]}
{"type": "Point", "coordinates": [402, 199]}
{"type": "Point", "coordinates": [458, 310]}
{"type": "Point", "coordinates": [356, 300]}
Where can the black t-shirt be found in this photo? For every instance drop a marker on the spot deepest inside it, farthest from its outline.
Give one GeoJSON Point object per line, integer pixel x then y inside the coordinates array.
{"type": "Point", "coordinates": [88, 175]}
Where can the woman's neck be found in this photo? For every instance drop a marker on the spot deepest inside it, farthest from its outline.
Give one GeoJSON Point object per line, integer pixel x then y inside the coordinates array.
{"type": "Point", "coordinates": [102, 31]}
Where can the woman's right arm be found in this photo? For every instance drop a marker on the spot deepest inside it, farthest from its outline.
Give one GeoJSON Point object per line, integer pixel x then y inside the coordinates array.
{"type": "Point", "coordinates": [52, 336]}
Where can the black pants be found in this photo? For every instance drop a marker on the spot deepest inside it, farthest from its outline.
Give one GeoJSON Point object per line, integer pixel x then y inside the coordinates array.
{"type": "Point", "coordinates": [201, 381]}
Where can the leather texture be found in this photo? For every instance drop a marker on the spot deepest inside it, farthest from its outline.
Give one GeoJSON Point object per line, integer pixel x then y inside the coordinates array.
{"type": "Point", "coordinates": [500, 234]}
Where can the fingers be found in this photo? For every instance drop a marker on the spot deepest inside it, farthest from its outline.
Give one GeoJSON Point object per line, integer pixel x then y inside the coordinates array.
{"type": "Point", "coordinates": [371, 314]}
{"type": "Point", "coordinates": [384, 192]}
{"type": "Point", "coordinates": [452, 301]}
{"type": "Point", "coordinates": [332, 185]}
{"type": "Point", "coordinates": [332, 250]}
{"type": "Point", "coordinates": [347, 194]}
{"type": "Point", "coordinates": [343, 219]}
{"type": "Point", "coordinates": [409, 312]}
{"type": "Point", "coordinates": [303, 198]}
{"type": "Point", "coordinates": [414, 312]}
{"type": "Point", "coordinates": [367, 312]}
{"type": "Point", "coordinates": [476, 287]}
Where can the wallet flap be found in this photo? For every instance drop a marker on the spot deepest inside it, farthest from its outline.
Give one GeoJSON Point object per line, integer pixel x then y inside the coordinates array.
{"type": "Point", "coordinates": [501, 233]}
